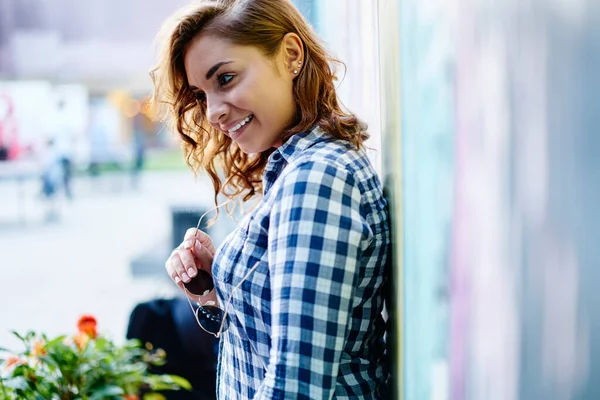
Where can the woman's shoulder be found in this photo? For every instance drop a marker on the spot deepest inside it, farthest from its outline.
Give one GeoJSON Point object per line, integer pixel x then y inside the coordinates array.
{"type": "Point", "coordinates": [333, 164]}
{"type": "Point", "coordinates": [339, 154]}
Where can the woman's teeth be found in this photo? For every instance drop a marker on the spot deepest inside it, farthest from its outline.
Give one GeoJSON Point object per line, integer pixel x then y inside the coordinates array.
{"type": "Point", "coordinates": [242, 123]}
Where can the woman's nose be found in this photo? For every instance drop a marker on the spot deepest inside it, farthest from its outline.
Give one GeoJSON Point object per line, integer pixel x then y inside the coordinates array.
{"type": "Point", "coordinates": [216, 110]}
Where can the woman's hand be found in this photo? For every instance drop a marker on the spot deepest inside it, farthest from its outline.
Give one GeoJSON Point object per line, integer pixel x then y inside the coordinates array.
{"type": "Point", "coordinates": [194, 254]}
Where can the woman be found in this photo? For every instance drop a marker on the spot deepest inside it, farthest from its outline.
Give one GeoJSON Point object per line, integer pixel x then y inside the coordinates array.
{"type": "Point", "coordinates": [299, 283]}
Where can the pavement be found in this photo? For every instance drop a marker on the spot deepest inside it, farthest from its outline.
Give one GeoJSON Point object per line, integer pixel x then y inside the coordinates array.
{"type": "Point", "coordinates": [53, 271]}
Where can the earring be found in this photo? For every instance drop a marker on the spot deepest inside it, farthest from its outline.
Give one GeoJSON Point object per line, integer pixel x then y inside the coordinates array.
{"type": "Point", "coordinates": [295, 71]}
{"type": "Point", "coordinates": [300, 63]}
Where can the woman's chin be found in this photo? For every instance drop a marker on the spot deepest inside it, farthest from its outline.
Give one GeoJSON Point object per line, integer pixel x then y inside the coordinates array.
{"type": "Point", "coordinates": [251, 148]}
{"type": "Point", "coordinates": [248, 149]}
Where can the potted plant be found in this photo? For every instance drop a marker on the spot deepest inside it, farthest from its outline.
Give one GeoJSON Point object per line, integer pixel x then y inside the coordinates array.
{"type": "Point", "coordinates": [85, 366]}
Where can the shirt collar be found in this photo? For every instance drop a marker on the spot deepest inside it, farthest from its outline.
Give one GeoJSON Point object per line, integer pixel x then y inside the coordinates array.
{"type": "Point", "coordinates": [297, 144]}
{"type": "Point", "coordinates": [288, 151]}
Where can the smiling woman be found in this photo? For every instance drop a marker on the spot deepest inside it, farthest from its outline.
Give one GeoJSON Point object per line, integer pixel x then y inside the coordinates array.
{"type": "Point", "coordinates": [278, 59]}
{"type": "Point", "coordinates": [249, 96]}
{"type": "Point", "coordinates": [299, 285]}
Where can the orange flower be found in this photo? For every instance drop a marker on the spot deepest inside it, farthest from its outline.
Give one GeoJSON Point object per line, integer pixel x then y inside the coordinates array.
{"type": "Point", "coordinates": [39, 348]}
{"type": "Point", "coordinates": [87, 324]}
{"type": "Point", "coordinates": [13, 361]}
{"type": "Point", "coordinates": [132, 397]}
{"type": "Point", "coordinates": [81, 339]}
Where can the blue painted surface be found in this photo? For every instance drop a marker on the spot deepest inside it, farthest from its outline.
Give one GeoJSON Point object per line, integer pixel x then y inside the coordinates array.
{"type": "Point", "coordinates": [427, 129]}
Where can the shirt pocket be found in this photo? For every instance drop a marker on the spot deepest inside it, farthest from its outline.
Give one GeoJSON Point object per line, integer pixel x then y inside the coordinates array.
{"type": "Point", "coordinates": [251, 305]}
{"type": "Point", "coordinates": [248, 287]}
{"type": "Point", "coordinates": [253, 295]}
{"type": "Point", "coordinates": [228, 254]}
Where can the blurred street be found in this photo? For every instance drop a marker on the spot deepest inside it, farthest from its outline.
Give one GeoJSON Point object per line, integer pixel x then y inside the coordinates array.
{"type": "Point", "coordinates": [53, 272]}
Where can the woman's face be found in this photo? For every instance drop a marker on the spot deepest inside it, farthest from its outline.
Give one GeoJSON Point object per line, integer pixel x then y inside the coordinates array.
{"type": "Point", "coordinates": [247, 95]}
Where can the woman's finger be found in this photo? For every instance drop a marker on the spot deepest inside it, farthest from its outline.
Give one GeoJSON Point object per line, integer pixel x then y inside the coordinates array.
{"type": "Point", "coordinates": [203, 256]}
{"type": "Point", "coordinates": [189, 262]}
{"type": "Point", "coordinates": [176, 266]}
{"type": "Point", "coordinates": [192, 234]}
{"type": "Point", "coordinates": [171, 271]}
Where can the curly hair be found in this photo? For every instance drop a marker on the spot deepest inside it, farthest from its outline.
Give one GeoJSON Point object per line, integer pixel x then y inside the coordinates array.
{"type": "Point", "coordinates": [258, 23]}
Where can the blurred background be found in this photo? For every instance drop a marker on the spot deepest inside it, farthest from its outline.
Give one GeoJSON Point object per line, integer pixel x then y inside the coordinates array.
{"type": "Point", "coordinates": [90, 186]}
{"type": "Point", "coordinates": [484, 123]}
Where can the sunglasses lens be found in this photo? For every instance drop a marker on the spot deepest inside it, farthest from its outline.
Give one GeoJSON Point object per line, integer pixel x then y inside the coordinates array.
{"type": "Point", "coordinates": [210, 318]}
{"type": "Point", "coordinates": [200, 283]}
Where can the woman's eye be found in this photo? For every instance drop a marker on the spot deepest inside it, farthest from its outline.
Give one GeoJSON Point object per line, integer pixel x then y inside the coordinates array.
{"type": "Point", "coordinates": [225, 79]}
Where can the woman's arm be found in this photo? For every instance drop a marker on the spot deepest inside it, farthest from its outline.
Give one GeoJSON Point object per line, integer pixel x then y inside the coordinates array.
{"type": "Point", "coordinates": [315, 236]}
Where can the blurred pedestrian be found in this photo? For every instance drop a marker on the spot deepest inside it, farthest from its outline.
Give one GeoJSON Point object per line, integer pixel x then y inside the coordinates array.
{"type": "Point", "coordinates": [9, 138]}
{"type": "Point", "coordinates": [139, 151]}
{"type": "Point", "coordinates": [51, 179]}
{"type": "Point", "coordinates": [299, 285]}
{"type": "Point", "coordinates": [64, 141]}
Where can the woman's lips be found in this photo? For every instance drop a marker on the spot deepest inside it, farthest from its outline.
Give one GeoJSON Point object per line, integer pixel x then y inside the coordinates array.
{"type": "Point", "coordinates": [235, 135]}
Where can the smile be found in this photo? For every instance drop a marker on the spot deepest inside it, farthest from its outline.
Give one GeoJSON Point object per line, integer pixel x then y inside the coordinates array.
{"type": "Point", "coordinates": [242, 123]}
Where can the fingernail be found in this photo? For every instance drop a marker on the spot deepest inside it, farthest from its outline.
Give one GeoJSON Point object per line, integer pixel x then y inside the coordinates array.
{"type": "Point", "coordinates": [187, 244]}
{"type": "Point", "coordinates": [185, 277]}
{"type": "Point", "coordinates": [191, 272]}
{"type": "Point", "coordinates": [177, 280]}
{"type": "Point", "coordinates": [198, 244]}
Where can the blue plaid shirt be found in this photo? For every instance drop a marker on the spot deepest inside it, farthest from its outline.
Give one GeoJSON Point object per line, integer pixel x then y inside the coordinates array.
{"type": "Point", "coordinates": [306, 323]}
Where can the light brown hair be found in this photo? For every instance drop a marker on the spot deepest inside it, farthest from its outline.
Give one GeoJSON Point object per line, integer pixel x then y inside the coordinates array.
{"type": "Point", "coordinates": [258, 23]}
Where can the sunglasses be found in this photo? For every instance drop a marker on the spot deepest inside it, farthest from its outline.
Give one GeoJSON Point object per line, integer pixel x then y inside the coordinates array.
{"type": "Point", "coordinates": [211, 318]}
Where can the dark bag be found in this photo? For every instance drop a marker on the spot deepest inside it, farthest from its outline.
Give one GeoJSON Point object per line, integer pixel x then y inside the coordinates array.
{"type": "Point", "coordinates": [169, 324]}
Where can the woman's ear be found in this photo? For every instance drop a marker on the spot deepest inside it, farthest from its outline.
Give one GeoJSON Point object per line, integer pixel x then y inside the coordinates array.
{"type": "Point", "coordinates": [293, 53]}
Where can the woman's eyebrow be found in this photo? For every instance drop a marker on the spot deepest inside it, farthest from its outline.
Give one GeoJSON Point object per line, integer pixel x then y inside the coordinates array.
{"type": "Point", "coordinates": [215, 68]}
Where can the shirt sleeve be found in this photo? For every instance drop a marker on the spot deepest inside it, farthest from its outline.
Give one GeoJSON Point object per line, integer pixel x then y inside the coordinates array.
{"type": "Point", "coordinates": [315, 235]}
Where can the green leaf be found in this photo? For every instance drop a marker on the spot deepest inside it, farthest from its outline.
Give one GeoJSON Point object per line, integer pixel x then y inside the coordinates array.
{"type": "Point", "coordinates": [179, 381]}
{"type": "Point", "coordinates": [18, 383]}
{"type": "Point", "coordinates": [21, 370]}
{"type": "Point", "coordinates": [58, 340]}
{"type": "Point", "coordinates": [21, 338]}
{"type": "Point", "coordinates": [106, 391]}
{"type": "Point", "coordinates": [167, 382]}
{"type": "Point", "coordinates": [48, 359]}
{"type": "Point", "coordinates": [154, 396]}
{"type": "Point", "coordinates": [133, 343]}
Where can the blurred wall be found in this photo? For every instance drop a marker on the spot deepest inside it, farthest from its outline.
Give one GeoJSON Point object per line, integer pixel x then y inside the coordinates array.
{"type": "Point", "coordinates": [349, 30]}
{"type": "Point", "coordinates": [389, 66]}
{"type": "Point", "coordinates": [428, 101]}
{"type": "Point", "coordinates": [499, 116]}
{"type": "Point", "coordinates": [527, 112]}
{"type": "Point", "coordinates": [101, 43]}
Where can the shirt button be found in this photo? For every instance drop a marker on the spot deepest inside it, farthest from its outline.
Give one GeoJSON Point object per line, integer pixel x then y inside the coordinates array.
{"type": "Point", "coordinates": [276, 156]}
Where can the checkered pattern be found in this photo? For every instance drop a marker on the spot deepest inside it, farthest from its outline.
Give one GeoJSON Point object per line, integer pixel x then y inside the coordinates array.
{"type": "Point", "coordinates": [307, 324]}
